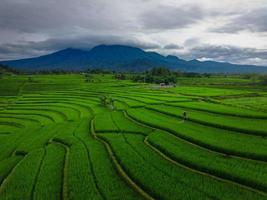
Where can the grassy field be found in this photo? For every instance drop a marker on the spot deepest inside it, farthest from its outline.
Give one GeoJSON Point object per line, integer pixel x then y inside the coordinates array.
{"type": "Point", "coordinates": [60, 140]}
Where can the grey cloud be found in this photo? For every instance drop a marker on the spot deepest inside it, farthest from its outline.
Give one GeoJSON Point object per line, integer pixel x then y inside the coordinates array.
{"type": "Point", "coordinates": [230, 54]}
{"type": "Point", "coordinates": [30, 49]}
{"type": "Point", "coordinates": [170, 17]}
{"type": "Point", "coordinates": [254, 21]}
{"type": "Point", "coordinates": [52, 15]}
{"type": "Point", "coordinates": [192, 42]}
{"type": "Point", "coordinates": [37, 27]}
{"type": "Point", "coordinates": [172, 47]}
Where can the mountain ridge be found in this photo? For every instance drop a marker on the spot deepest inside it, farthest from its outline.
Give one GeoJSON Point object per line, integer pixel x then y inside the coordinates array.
{"type": "Point", "coordinates": [123, 58]}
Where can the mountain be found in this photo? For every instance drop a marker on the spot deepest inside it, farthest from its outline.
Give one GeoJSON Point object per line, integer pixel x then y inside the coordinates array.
{"type": "Point", "coordinates": [123, 58]}
{"type": "Point", "coordinates": [6, 70]}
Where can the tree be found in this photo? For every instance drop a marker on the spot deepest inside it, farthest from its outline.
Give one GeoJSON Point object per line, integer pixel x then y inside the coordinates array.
{"type": "Point", "coordinates": [103, 100]}
{"type": "Point", "coordinates": [120, 76]}
{"type": "Point", "coordinates": [160, 71]}
{"type": "Point", "coordinates": [88, 77]}
{"type": "Point", "coordinates": [157, 75]}
{"type": "Point", "coordinates": [264, 79]}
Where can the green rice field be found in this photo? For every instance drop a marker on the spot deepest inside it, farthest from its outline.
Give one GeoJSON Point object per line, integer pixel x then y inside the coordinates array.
{"type": "Point", "coordinates": [60, 140]}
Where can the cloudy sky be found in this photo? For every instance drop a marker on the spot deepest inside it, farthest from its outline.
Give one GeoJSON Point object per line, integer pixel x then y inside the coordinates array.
{"type": "Point", "coordinates": [226, 30]}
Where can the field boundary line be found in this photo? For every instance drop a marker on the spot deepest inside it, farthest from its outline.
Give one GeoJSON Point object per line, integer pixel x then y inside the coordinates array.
{"type": "Point", "coordinates": [122, 132]}
{"type": "Point", "coordinates": [13, 124]}
{"type": "Point", "coordinates": [5, 133]}
{"type": "Point", "coordinates": [60, 113]}
{"type": "Point", "coordinates": [137, 122]}
{"type": "Point", "coordinates": [64, 189]}
{"type": "Point", "coordinates": [37, 174]}
{"type": "Point", "coordinates": [220, 102]}
{"type": "Point", "coordinates": [220, 113]}
{"type": "Point", "coordinates": [255, 133]}
{"type": "Point", "coordinates": [118, 167]}
{"type": "Point", "coordinates": [5, 180]}
{"type": "Point", "coordinates": [101, 194]}
{"type": "Point", "coordinates": [198, 144]}
{"type": "Point", "coordinates": [162, 171]}
{"type": "Point", "coordinates": [19, 118]}
{"type": "Point", "coordinates": [201, 172]}
{"type": "Point", "coordinates": [37, 114]}
{"type": "Point", "coordinates": [48, 106]}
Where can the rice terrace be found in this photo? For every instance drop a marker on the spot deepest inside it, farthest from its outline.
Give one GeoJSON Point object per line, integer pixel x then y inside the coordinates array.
{"type": "Point", "coordinates": [133, 100]}
{"type": "Point", "coordinates": [64, 137]}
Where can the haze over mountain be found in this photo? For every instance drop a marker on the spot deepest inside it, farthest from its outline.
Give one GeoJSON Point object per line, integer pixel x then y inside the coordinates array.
{"type": "Point", "coordinates": [122, 58]}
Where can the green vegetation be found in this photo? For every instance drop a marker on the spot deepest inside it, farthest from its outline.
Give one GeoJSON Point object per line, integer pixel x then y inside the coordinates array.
{"type": "Point", "coordinates": [156, 75]}
{"type": "Point", "coordinates": [102, 135]}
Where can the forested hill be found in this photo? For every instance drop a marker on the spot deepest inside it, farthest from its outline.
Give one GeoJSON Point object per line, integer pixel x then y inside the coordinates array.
{"type": "Point", "coordinates": [123, 58]}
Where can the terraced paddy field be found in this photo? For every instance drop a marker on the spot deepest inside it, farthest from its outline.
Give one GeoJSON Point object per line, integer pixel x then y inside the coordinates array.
{"type": "Point", "coordinates": [59, 140]}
